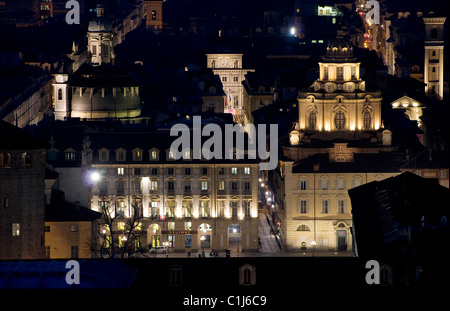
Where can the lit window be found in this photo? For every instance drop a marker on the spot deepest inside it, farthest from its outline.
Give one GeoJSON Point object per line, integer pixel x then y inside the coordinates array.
{"type": "Point", "coordinates": [247, 170]}
{"type": "Point", "coordinates": [16, 229]}
{"type": "Point", "coordinates": [221, 185]}
{"type": "Point", "coordinates": [204, 185]}
{"type": "Point", "coordinates": [234, 170]}
{"type": "Point", "coordinates": [171, 155]}
{"type": "Point", "coordinates": [153, 185]}
{"type": "Point", "coordinates": [120, 171]}
{"type": "Point", "coordinates": [154, 155]}
{"type": "Point", "coordinates": [74, 228]}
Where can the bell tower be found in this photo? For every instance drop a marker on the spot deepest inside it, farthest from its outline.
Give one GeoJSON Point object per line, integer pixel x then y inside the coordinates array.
{"type": "Point", "coordinates": [434, 56]}
{"type": "Point", "coordinates": [61, 96]}
{"type": "Point", "coordinates": [100, 39]}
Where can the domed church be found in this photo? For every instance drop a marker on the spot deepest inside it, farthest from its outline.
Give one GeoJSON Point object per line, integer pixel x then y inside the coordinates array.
{"type": "Point", "coordinates": [98, 89]}
{"type": "Point", "coordinates": [338, 101]}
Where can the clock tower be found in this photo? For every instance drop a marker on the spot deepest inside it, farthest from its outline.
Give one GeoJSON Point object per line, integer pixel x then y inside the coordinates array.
{"type": "Point", "coordinates": [229, 68]}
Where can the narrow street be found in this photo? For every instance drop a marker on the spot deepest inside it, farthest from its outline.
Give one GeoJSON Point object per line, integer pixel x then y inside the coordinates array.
{"type": "Point", "coordinates": [268, 241]}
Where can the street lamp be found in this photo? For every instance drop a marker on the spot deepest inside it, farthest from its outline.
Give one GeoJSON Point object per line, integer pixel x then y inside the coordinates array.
{"type": "Point", "coordinates": [313, 243]}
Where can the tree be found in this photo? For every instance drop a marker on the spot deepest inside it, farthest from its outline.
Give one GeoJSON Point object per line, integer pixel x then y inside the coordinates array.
{"type": "Point", "coordinates": [119, 235]}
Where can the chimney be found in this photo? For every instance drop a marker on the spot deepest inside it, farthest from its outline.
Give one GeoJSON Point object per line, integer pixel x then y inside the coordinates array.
{"type": "Point", "coordinates": [316, 167]}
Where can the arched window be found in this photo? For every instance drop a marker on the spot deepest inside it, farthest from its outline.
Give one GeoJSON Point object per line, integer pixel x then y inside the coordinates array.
{"type": "Point", "coordinates": [312, 119]}
{"type": "Point", "coordinates": [367, 119]}
{"type": "Point", "coordinates": [339, 120]}
{"type": "Point", "coordinates": [303, 228]}
{"type": "Point", "coordinates": [59, 94]}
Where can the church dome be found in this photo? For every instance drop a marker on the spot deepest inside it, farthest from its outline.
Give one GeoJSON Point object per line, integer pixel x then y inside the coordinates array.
{"type": "Point", "coordinates": [339, 50]}
{"type": "Point", "coordinates": [100, 24]}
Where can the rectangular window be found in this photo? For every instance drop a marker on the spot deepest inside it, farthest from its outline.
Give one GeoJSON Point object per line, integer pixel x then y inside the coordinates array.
{"type": "Point", "coordinates": [74, 228]}
{"type": "Point", "coordinates": [204, 185]}
{"type": "Point", "coordinates": [302, 206]}
{"type": "Point", "coordinates": [5, 160]}
{"type": "Point", "coordinates": [154, 155]}
{"type": "Point", "coordinates": [247, 170]}
{"type": "Point", "coordinates": [341, 206]}
{"type": "Point", "coordinates": [221, 171]}
{"type": "Point", "coordinates": [120, 186]}
{"type": "Point", "coordinates": [137, 171]}
{"type": "Point", "coordinates": [340, 184]}
{"type": "Point", "coordinates": [324, 185]}
{"type": "Point", "coordinates": [247, 185]}
{"type": "Point", "coordinates": [47, 228]}
{"type": "Point", "coordinates": [221, 184]}
{"type": "Point", "coordinates": [153, 171]}
{"type": "Point", "coordinates": [340, 73]}
{"type": "Point", "coordinates": [16, 229]}
{"type": "Point", "coordinates": [303, 185]}
{"type": "Point", "coordinates": [26, 159]}
{"type": "Point", "coordinates": [154, 211]}
{"type": "Point", "coordinates": [325, 206]}
{"type": "Point", "coordinates": [234, 170]}
{"type": "Point", "coordinates": [224, 79]}
{"type": "Point", "coordinates": [188, 241]}
{"type": "Point", "coordinates": [171, 239]}
{"type": "Point", "coordinates": [187, 171]}
{"type": "Point", "coordinates": [120, 171]}
{"type": "Point", "coordinates": [120, 208]}
{"type": "Point", "coordinates": [171, 210]}
{"type": "Point", "coordinates": [234, 185]}
{"type": "Point", "coordinates": [170, 185]}
{"type": "Point", "coordinates": [204, 170]}
{"type": "Point", "coordinates": [94, 50]}
{"type": "Point", "coordinates": [234, 208]}
{"type": "Point", "coordinates": [187, 185]}
{"type": "Point", "coordinates": [170, 171]}
{"type": "Point", "coordinates": [171, 225]}
{"type": "Point", "coordinates": [153, 185]}
{"type": "Point", "coordinates": [69, 156]}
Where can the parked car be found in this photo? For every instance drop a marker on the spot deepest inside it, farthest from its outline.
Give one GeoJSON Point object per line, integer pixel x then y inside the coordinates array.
{"type": "Point", "coordinates": [158, 250]}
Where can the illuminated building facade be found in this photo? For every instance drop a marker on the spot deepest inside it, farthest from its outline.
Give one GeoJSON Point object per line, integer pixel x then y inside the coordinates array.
{"type": "Point", "coordinates": [338, 100]}
{"type": "Point", "coordinates": [339, 143]}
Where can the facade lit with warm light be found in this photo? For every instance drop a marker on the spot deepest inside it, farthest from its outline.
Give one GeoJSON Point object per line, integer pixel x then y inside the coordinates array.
{"type": "Point", "coordinates": [338, 100]}
{"type": "Point", "coordinates": [191, 206]}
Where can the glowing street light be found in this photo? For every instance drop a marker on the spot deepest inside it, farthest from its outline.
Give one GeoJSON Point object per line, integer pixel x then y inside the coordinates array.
{"type": "Point", "coordinates": [293, 31]}
{"type": "Point", "coordinates": [95, 176]}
